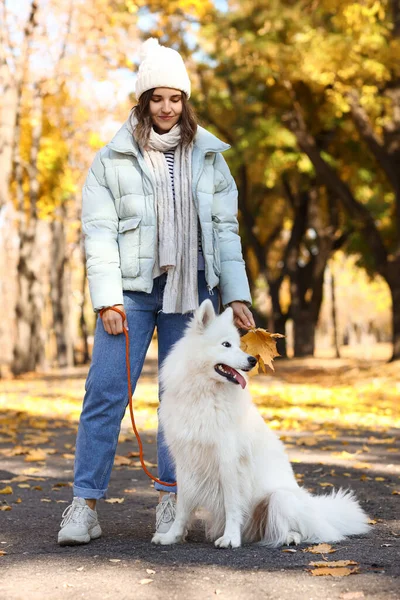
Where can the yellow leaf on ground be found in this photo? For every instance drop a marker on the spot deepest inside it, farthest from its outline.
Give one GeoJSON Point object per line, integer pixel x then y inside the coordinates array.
{"type": "Point", "coordinates": [372, 521]}
{"type": "Point", "coordinates": [396, 493]}
{"type": "Point", "coordinates": [145, 581]}
{"type": "Point", "coordinates": [115, 500]}
{"type": "Point", "coordinates": [320, 549]}
{"type": "Point", "coordinates": [68, 456]}
{"type": "Point", "coordinates": [332, 563]}
{"type": "Point", "coordinates": [6, 490]}
{"type": "Point", "coordinates": [262, 345]}
{"type": "Point", "coordinates": [2, 552]}
{"type": "Point", "coordinates": [326, 484]}
{"type": "Point", "coordinates": [24, 485]}
{"type": "Point", "coordinates": [121, 460]}
{"type": "Point", "coordinates": [339, 572]}
{"type": "Point", "coordinates": [37, 454]}
{"type": "Point", "coordinates": [6, 507]}
{"type": "Point", "coordinates": [37, 487]}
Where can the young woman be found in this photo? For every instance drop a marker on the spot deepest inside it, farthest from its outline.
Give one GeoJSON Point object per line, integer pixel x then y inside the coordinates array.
{"type": "Point", "coordinates": [161, 235]}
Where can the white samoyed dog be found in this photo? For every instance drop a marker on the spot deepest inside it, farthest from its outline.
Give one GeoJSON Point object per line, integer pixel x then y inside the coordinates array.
{"type": "Point", "coordinates": [227, 459]}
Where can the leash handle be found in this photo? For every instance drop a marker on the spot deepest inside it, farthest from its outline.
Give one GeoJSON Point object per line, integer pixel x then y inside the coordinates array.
{"type": "Point", "coordinates": [128, 369]}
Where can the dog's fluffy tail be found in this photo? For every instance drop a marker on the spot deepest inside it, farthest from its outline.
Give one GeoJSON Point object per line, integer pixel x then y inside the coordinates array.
{"type": "Point", "coordinates": [297, 516]}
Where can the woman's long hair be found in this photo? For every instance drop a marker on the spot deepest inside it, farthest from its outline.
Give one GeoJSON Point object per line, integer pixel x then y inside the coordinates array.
{"type": "Point", "coordinates": [141, 111]}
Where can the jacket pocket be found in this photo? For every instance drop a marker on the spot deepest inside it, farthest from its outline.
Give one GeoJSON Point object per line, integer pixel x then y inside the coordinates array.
{"type": "Point", "coordinates": [216, 250]}
{"type": "Point", "coordinates": [129, 245]}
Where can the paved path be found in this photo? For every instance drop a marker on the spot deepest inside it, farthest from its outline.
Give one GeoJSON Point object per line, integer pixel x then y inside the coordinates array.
{"type": "Point", "coordinates": [124, 565]}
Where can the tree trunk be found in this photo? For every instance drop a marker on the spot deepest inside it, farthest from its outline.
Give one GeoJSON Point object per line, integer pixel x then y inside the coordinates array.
{"type": "Point", "coordinates": [333, 313]}
{"type": "Point", "coordinates": [304, 334]}
{"type": "Point", "coordinates": [278, 317]}
{"type": "Point", "coordinates": [84, 331]}
{"type": "Point", "coordinates": [60, 293]}
{"type": "Point", "coordinates": [393, 280]}
{"type": "Point", "coordinates": [29, 349]}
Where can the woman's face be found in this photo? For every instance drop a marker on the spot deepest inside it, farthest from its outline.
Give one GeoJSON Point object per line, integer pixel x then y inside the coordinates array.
{"type": "Point", "coordinates": [165, 108]}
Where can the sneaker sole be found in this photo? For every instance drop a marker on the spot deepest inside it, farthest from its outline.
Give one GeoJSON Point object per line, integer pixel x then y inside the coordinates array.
{"type": "Point", "coordinates": [80, 539]}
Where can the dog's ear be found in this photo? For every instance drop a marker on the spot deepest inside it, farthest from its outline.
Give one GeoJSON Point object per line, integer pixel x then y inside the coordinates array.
{"type": "Point", "coordinates": [228, 314]}
{"type": "Point", "coordinates": [204, 315]}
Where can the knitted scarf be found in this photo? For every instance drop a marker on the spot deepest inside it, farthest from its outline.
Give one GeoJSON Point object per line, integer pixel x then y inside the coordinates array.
{"type": "Point", "coordinates": [176, 221]}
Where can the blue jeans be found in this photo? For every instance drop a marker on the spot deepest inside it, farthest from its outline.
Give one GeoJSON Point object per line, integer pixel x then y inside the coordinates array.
{"type": "Point", "coordinates": [106, 396]}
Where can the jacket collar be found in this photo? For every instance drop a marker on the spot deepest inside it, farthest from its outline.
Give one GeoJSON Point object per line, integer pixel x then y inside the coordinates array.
{"type": "Point", "coordinates": [124, 142]}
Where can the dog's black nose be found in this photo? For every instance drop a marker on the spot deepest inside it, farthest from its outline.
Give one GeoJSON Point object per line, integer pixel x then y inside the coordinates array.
{"type": "Point", "coordinates": [252, 361]}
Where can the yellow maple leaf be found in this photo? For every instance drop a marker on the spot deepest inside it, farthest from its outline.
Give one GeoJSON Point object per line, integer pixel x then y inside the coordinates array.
{"type": "Point", "coordinates": [262, 345]}
{"type": "Point", "coordinates": [334, 571]}
{"type": "Point", "coordinates": [6, 490]}
{"type": "Point", "coordinates": [121, 460]}
{"type": "Point", "coordinates": [35, 455]}
{"type": "Point", "coordinates": [320, 549]}
{"type": "Point", "coordinates": [333, 563]}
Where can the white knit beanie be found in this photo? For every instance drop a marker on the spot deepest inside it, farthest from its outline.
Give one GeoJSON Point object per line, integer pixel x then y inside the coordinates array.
{"type": "Point", "coordinates": [161, 67]}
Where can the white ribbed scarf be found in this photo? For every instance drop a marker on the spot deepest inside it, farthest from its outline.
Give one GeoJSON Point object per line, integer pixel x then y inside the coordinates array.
{"type": "Point", "coordinates": [176, 223]}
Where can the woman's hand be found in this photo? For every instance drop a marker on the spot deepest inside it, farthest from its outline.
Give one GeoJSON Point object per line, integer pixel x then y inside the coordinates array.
{"type": "Point", "coordinates": [242, 315]}
{"type": "Point", "coordinates": [112, 320]}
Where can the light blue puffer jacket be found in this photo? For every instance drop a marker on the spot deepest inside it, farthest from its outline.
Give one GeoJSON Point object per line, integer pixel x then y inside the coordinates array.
{"type": "Point", "coordinates": [119, 220]}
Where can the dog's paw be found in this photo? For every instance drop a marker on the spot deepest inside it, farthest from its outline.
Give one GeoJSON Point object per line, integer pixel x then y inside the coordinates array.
{"type": "Point", "coordinates": [293, 537]}
{"type": "Point", "coordinates": [228, 541]}
{"type": "Point", "coordinates": [165, 539]}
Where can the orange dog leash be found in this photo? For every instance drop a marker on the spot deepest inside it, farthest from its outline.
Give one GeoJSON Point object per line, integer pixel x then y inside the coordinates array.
{"type": "Point", "coordinates": [128, 369]}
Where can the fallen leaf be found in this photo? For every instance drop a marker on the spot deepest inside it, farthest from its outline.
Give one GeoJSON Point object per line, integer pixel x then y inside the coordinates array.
{"type": "Point", "coordinates": [2, 552]}
{"type": "Point", "coordinates": [24, 485]}
{"type": "Point", "coordinates": [326, 484]}
{"type": "Point", "coordinates": [290, 550]}
{"type": "Point", "coordinates": [37, 487]}
{"type": "Point", "coordinates": [18, 501]}
{"type": "Point", "coordinates": [61, 484]}
{"type": "Point", "coordinates": [379, 479]}
{"type": "Point", "coordinates": [45, 500]}
{"type": "Point", "coordinates": [320, 549]}
{"type": "Point", "coordinates": [130, 491]}
{"type": "Point", "coordinates": [396, 493]}
{"type": "Point", "coordinates": [35, 455]}
{"type": "Point", "coordinates": [372, 521]}
{"type": "Point", "coordinates": [121, 460]}
{"type": "Point", "coordinates": [6, 490]}
{"type": "Point", "coordinates": [114, 560]}
{"type": "Point", "coordinates": [115, 500]}
{"type": "Point", "coordinates": [338, 572]}
{"type": "Point", "coordinates": [68, 456]}
{"type": "Point", "coordinates": [150, 572]}
{"type": "Point", "coordinates": [145, 581]}
{"type": "Point", "coordinates": [333, 563]}
{"type": "Point", "coordinates": [80, 568]}
{"type": "Point", "coordinates": [5, 507]}
{"type": "Point", "coordinates": [261, 344]}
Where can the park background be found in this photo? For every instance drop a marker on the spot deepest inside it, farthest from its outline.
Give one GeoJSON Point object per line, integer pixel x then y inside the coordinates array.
{"type": "Point", "coordinates": [307, 93]}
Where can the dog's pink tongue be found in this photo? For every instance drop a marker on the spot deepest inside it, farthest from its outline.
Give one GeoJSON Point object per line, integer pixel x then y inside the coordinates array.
{"type": "Point", "coordinates": [240, 379]}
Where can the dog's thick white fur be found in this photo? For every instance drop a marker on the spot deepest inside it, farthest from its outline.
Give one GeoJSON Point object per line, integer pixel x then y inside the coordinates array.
{"type": "Point", "coordinates": [227, 460]}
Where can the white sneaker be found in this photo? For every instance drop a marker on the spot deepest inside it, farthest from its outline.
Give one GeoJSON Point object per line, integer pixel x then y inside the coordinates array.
{"type": "Point", "coordinates": [79, 524]}
{"type": "Point", "coordinates": [165, 513]}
